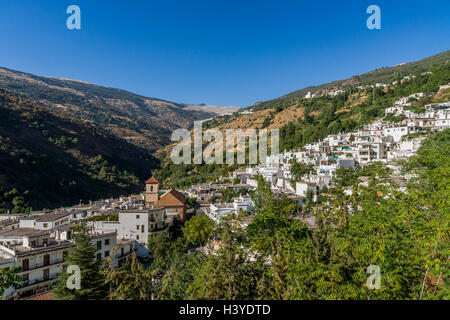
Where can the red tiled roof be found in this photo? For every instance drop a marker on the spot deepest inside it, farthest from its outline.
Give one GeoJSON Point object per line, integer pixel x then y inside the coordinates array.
{"type": "Point", "coordinates": [171, 198]}
{"type": "Point", "coordinates": [48, 295]}
{"type": "Point", "coordinates": [152, 180]}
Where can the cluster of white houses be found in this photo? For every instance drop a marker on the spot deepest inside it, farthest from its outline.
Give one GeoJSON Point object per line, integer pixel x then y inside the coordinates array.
{"type": "Point", "coordinates": [38, 243]}
{"type": "Point", "coordinates": [380, 141]}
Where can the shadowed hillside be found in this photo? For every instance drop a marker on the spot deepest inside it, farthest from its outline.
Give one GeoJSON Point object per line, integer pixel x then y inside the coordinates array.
{"type": "Point", "coordinates": [48, 160]}
{"type": "Point", "coordinates": [146, 122]}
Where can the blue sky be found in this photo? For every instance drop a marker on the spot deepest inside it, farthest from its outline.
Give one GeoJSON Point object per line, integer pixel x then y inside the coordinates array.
{"type": "Point", "coordinates": [217, 52]}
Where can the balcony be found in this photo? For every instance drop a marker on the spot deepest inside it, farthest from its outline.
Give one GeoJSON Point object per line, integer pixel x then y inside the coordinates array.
{"type": "Point", "coordinates": [43, 266]}
{"type": "Point", "coordinates": [30, 285]}
{"type": "Point", "coordinates": [126, 254]}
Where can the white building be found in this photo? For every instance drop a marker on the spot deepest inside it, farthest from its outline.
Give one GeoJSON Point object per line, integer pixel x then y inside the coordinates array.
{"type": "Point", "coordinates": [137, 224]}
{"type": "Point", "coordinates": [302, 188]}
{"type": "Point", "coordinates": [39, 257]}
{"type": "Point", "coordinates": [45, 221]}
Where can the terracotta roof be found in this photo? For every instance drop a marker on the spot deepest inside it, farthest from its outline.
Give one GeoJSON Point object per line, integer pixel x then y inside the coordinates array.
{"type": "Point", "coordinates": [48, 295]}
{"type": "Point", "coordinates": [152, 180]}
{"type": "Point", "coordinates": [171, 198]}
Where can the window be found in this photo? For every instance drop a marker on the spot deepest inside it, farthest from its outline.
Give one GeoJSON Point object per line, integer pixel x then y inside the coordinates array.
{"type": "Point", "coordinates": [46, 274]}
{"type": "Point", "coordinates": [46, 260]}
{"type": "Point", "coordinates": [151, 188]}
{"type": "Point", "coordinates": [137, 237]}
{"type": "Point", "coordinates": [107, 242]}
{"type": "Point", "coordinates": [99, 256]}
{"type": "Point", "coordinates": [137, 227]}
{"type": "Point", "coordinates": [99, 245]}
{"type": "Point", "coordinates": [138, 216]}
{"type": "Point", "coordinates": [106, 254]}
{"type": "Point", "coordinates": [25, 264]}
{"type": "Point", "coordinates": [45, 225]}
{"type": "Point", "coordinates": [142, 228]}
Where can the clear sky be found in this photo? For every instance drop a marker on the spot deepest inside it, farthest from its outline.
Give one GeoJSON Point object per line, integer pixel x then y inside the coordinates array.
{"type": "Point", "coordinates": [217, 52]}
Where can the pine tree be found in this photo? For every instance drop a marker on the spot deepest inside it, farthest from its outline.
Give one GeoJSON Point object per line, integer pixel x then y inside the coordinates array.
{"type": "Point", "coordinates": [93, 282]}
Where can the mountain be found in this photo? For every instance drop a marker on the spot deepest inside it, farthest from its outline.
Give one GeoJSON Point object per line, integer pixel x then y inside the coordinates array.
{"type": "Point", "coordinates": [381, 75]}
{"type": "Point", "coordinates": [48, 159]}
{"type": "Point", "coordinates": [278, 112]}
{"type": "Point", "coordinates": [218, 110]}
{"type": "Point", "coordinates": [301, 120]}
{"type": "Point", "coordinates": [146, 122]}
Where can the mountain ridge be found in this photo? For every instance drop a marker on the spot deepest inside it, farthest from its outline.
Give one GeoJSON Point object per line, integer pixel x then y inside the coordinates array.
{"type": "Point", "coordinates": [144, 121]}
{"type": "Point", "coordinates": [367, 78]}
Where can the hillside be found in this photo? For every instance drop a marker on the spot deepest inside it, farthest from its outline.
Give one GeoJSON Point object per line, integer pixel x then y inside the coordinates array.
{"type": "Point", "coordinates": [49, 160]}
{"type": "Point", "coordinates": [146, 122]}
{"type": "Point", "coordinates": [219, 110]}
{"type": "Point", "coordinates": [348, 106]}
{"type": "Point", "coordinates": [381, 75]}
{"type": "Point", "coordinates": [302, 120]}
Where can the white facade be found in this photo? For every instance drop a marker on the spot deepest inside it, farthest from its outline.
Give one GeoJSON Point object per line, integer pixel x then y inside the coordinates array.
{"type": "Point", "coordinates": [137, 224]}
{"type": "Point", "coordinates": [302, 188]}
{"type": "Point", "coordinates": [39, 258]}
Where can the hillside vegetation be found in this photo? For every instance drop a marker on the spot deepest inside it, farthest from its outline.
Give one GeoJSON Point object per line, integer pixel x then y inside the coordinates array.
{"type": "Point", "coordinates": [303, 121]}
{"type": "Point", "coordinates": [381, 75]}
{"type": "Point", "coordinates": [146, 122]}
{"type": "Point", "coordinates": [377, 243]}
{"type": "Point", "coordinates": [49, 160]}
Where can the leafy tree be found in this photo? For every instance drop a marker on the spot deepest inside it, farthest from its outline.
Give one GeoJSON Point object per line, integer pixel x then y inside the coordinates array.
{"type": "Point", "coordinates": [227, 273]}
{"type": "Point", "coordinates": [129, 282]}
{"type": "Point", "coordinates": [191, 201]}
{"type": "Point", "coordinates": [299, 170]}
{"type": "Point", "coordinates": [9, 278]}
{"type": "Point", "coordinates": [198, 229]}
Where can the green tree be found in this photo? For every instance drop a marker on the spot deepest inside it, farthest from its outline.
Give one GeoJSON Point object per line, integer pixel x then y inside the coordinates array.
{"type": "Point", "coordinates": [9, 278]}
{"type": "Point", "coordinates": [299, 170]}
{"type": "Point", "coordinates": [274, 218]}
{"type": "Point", "coordinates": [198, 229]}
{"type": "Point", "coordinates": [228, 272]}
{"type": "Point", "coordinates": [93, 281]}
{"type": "Point", "coordinates": [191, 201]}
{"type": "Point", "coordinates": [130, 282]}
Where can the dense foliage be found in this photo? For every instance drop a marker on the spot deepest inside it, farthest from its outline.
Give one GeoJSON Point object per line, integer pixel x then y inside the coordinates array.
{"type": "Point", "coordinates": [48, 160]}
{"type": "Point", "coordinates": [367, 223]}
{"type": "Point", "coordinates": [8, 279]}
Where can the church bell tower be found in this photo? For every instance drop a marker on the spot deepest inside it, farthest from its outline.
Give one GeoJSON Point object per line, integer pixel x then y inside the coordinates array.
{"type": "Point", "coordinates": [151, 191]}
